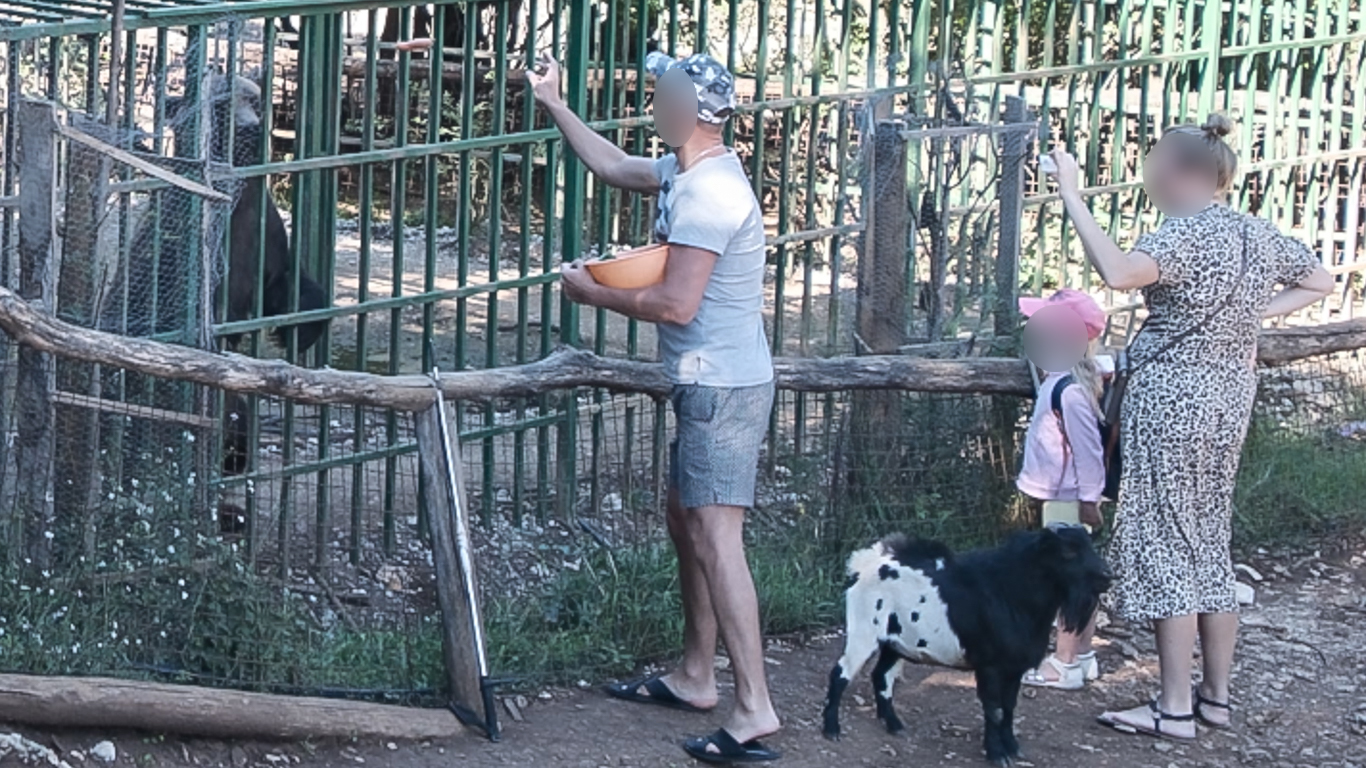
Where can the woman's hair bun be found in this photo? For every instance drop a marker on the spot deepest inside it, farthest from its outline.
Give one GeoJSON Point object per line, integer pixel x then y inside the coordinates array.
{"type": "Point", "coordinates": [1217, 126]}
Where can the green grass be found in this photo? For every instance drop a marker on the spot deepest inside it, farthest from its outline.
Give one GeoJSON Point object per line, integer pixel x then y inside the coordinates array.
{"type": "Point", "coordinates": [1294, 487]}
{"type": "Point", "coordinates": [619, 609]}
{"type": "Point", "coordinates": [622, 607]}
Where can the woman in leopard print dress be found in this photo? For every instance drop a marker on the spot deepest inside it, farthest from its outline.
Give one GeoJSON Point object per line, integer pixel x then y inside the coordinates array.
{"type": "Point", "coordinates": [1187, 408]}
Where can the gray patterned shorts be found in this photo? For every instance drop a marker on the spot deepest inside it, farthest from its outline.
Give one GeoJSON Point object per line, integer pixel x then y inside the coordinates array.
{"type": "Point", "coordinates": [714, 459]}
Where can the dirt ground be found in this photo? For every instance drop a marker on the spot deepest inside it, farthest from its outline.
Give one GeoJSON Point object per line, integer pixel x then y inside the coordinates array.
{"type": "Point", "coordinates": [1300, 692]}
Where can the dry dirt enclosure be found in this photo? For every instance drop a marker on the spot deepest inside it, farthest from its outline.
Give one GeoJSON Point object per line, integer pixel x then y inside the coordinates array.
{"type": "Point", "coordinates": [1300, 692]}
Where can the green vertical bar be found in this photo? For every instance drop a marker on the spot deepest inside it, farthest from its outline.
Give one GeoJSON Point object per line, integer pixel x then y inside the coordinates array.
{"type": "Point", "coordinates": [703, 42]}
{"type": "Point", "coordinates": [808, 329]}
{"type": "Point", "coordinates": [1250, 88]}
{"type": "Point", "coordinates": [1211, 42]}
{"type": "Point", "coordinates": [673, 27]}
{"type": "Point", "coordinates": [1358, 139]}
{"type": "Point", "coordinates": [1051, 33]}
{"type": "Point", "coordinates": [1022, 36]}
{"type": "Point", "coordinates": [195, 62]}
{"type": "Point", "coordinates": [329, 135]}
{"type": "Point", "coordinates": [229, 143]}
{"type": "Point", "coordinates": [527, 180]}
{"type": "Point", "coordinates": [607, 202]}
{"type": "Point", "coordinates": [639, 139]}
{"type": "Point", "coordinates": [1195, 68]}
{"type": "Point", "coordinates": [575, 187]}
{"type": "Point", "coordinates": [398, 198]}
{"type": "Point", "coordinates": [1093, 18]}
{"type": "Point", "coordinates": [1145, 78]}
{"type": "Point", "coordinates": [1280, 62]}
{"type": "Point", "coordinates": [1070, 126]}
{"type": "Point", "coordinates": [986, 36]}
{"type": "Point", "coordinates": [873, 42]}
{"type": "Point", "coordinates": [760, 88]}
{"type": "Point", "coordinates": [367, 212]}
{"type": "Point", "coordinates": [1042, 223]}
{"type": "Point", "coordinates": [784, 214]}
{"type": "Point", "coordinates": [893, 39]}
{"type": "Point", "coordinates": [842, 193]}
{"type": "Point", "coordinates": [919, 54]}
{"type": "Point", "coordinates": [495, 216]}
{"type": "Point", "coordinates": [543, 449]}
{"type": "Point", "coordinates": [1121, 119]}
{"type": "Point", "coordinates": [436, 88]}
{"type": "Point", "coordinates": [1338, 100]}
{"type": "Point", "coordinates": [784, 192]}
{"type": "Point", "coordinates": [732, 38]}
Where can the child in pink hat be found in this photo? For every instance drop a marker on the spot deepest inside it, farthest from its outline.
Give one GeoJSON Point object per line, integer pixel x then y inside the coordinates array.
{"type": "Point", "coordinates": [1063, 474]}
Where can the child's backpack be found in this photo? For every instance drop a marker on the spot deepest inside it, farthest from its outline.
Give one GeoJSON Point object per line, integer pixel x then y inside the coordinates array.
{"type": "Point", "coordinates": [1109, 438]}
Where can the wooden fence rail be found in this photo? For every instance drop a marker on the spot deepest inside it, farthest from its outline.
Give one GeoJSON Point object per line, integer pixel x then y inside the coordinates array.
{"type": "Point", "coordinates": [565, 368]}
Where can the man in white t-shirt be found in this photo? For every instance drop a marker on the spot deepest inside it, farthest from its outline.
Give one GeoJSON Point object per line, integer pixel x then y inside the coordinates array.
{"type": "Point", "coordinates": [709, 314]}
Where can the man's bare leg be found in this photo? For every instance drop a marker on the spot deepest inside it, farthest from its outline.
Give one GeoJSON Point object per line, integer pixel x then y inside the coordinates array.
{"type": "Point", "coordinates": [695, 679]}
{"type": "Point", "coordinates": [719, 549]}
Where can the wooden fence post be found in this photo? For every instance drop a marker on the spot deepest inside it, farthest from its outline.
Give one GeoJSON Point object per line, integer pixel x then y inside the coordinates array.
{"type": "Point", "coordinates": [32, 521]}
{"type": "Point", "coordinates": [1010, 192]}
{"type": "Point", "coordinates": [881, 310]}
{"type": "Point", "coordinates": [882, 273]}
{"type": "Point", "coordinates": [77, 479]}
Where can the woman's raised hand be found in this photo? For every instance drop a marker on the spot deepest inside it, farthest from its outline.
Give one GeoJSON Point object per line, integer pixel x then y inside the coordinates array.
{"type": "Point", "coordinates": [1068, 175]}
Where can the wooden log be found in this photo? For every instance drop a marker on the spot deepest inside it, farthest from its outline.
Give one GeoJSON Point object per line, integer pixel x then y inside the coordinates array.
{"type": "Point", "coordinates": [276, 378]}
{"type": "Point", "coordinates": [565, 368]}
{"type": "Point", "coordinates": [1278, 346]}
{"type": "Point", "coordinates": [458, 642]}
{"type": "Point", "coordinates": [92, 702]}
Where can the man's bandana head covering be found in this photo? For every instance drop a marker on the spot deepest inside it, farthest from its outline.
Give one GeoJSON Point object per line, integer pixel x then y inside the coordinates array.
{"type": "Point", "coordinates": [715, 85]}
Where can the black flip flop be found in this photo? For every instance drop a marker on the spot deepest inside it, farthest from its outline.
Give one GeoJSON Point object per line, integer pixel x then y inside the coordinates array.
{"type": "Point", "coordinates": [659, 694]}
{"type": "Point", "coordinates": [728, 750]}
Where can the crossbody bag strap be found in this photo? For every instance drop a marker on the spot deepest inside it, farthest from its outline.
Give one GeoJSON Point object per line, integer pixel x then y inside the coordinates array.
{"type": "Point", "coordinates": [1242, 274]}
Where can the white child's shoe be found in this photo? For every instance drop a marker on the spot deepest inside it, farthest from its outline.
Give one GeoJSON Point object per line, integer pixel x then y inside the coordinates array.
{"type": "Point", "coordinates": [1071, 677]}
{"type": "Point", "coordinates": [1089, 665]}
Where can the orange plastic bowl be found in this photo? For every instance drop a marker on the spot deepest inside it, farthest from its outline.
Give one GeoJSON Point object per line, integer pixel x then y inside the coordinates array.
{"type": "Point", "coordinates": [635, 268]}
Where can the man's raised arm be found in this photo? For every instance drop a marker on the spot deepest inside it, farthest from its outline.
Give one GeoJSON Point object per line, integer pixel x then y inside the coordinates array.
{"type": "Point", "coordinates": [606, 160]}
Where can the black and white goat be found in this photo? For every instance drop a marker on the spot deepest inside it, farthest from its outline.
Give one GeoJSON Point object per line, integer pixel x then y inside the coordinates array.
{"type": "Point", "coordinates": [990, 611]}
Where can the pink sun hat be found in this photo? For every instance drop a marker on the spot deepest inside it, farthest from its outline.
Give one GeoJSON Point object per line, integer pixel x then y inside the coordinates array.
{"type": "Point", "coordinates": [1081, 305]}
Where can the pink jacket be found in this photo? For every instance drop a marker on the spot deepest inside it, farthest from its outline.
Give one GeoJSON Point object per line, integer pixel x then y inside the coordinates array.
{"type": "Point", "coordinates": [1058, 468]}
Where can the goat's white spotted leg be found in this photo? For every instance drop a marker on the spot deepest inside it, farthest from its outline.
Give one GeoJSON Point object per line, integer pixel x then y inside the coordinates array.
{"type": "Point", "coordinates": [858, 648]}
{"type": "Point", "coordinates": [888, 669]}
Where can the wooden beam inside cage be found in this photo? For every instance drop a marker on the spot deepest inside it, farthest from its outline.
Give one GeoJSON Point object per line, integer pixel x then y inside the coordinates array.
{"type": "Point", "coordinates": [133, 410]}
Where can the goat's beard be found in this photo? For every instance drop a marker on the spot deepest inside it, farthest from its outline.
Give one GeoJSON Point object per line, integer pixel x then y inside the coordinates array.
{"type": "Point", "coordinates": [1078, 607]}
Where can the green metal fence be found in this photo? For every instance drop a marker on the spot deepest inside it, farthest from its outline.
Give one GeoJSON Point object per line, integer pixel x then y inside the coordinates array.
{"type": "Point", "coordinates": [440, 214]}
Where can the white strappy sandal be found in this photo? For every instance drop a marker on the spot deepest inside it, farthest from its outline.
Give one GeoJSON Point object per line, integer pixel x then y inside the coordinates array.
{"type": "Point", "coordinates": [1071, 677]}
{"type": "Point", "coordinates": [1090, 665]}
